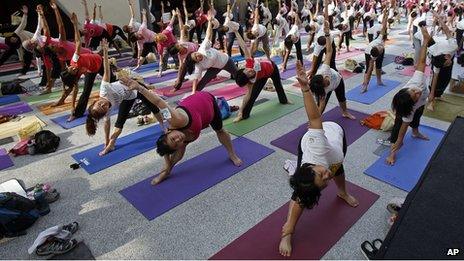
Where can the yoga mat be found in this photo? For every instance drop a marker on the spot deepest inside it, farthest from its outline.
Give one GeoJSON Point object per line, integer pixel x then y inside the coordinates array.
{"type": "Point", "coordinates": [411, 160]}
{"type": "Point", "coordinates": [291, 70]}
{"type": "Point", "coordinates": [11, 128]}
{"type": "Point", "coordinates": [166, 77]}
{"type": "Point", "coordinates": [239, 58]}
{"type": "Point", "coordinates": [353, 130]}
{"type": "Point", "coordinates": [192, 177]}
{"type": "Point", "coordinates": [263, 114]}
{"type": "Point", "coordinates": [126, 147]}
{"type": "Point", "coordinates": [47, 109]}
{"type": "Point", "coordinates": [63, 120]}
{"type": "Point", "coordinates": [186, 87]}
{"type": "Point", "coordinates": [373, 93]}
{"type": "Point", "coordinates": [447, 109]}
{"type": "Point", "coordinates": [409, 71]}
{"type": "Point", "coordinates": [316, 232]}
{"type": "Point", "coordinates": [5, 160]}
{"type": "Point", "coordinates": [15, 109]}
{"type": "Point", "coordinates": [404, 33]}
{"type": "Point", "coordinates": [148, 67]}
{"type": "Point", "coordinates": [55, 95]}
{"type": "Point", "coordinates": [229, 92]}
{"type": "Point", "coordinates": [346, 55]}
{"type": "Point", "coordinates": [346, 74]}
{"type": "Point", "coordinates": [7, 99]}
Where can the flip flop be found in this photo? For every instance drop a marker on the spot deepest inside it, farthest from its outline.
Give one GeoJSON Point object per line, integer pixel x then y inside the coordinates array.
{"type": "Point", "coordinates": [368, 250]}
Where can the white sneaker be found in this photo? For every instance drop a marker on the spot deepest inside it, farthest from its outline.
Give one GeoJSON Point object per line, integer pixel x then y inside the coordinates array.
{"type": "Point", "coordinates": [290, 166]}
{"type": "Point", "coordinates": [384, 142]}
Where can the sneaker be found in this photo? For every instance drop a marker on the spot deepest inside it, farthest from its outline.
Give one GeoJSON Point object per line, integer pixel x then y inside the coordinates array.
{"type": "Point", "coordinates": [384, 142]}
{"type": "Point", "coordinates": [368, 250]}
{"type": "Point", "coordinates": [290, 166]}
{"type": "Point", "coordinates": [71, 227]}
{"type": "Point", "coordinates": [55, 246]}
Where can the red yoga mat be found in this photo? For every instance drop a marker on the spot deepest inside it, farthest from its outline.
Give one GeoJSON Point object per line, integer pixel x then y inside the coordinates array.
{"type": "Point", "coordinates": [186, 87]}
{"type": "Point", "coordinates": [229, 92]}
{"type": "Point", "coordinates": [316, 232]}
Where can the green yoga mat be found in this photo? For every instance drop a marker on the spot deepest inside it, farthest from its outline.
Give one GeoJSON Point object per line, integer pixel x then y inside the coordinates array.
{"type": "Point", "coordinates": [54, 95]}
{"type": "Point", "coordinates": [263, 114]}
{"type": "Point", "coordinates": [448, 109]}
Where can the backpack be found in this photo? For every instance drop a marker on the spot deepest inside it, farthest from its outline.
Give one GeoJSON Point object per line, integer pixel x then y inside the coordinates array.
{"type": "Point", "coordinates": [17, 213]}
{"type": "Point", "coordinates": [13, 87]}
{"type": "Point", "coordinates": [46, 142]}
{"type": "Point", "coordinates": [223, 107]}
{"type": "Point", "coordinates": [408, 61]}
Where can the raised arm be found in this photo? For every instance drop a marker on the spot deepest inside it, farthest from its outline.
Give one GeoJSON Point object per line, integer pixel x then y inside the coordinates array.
{"type": "Point", "coordinates": [100, 13]}
{"type": "Point", "coordinates": [185, 11]}
{"type": "Point", "coordinates": [106, 62]}
{"type": "Point", "coordinates": [77, 35]}
{"type": "Point", "coordinates": [38, 30]}
{"type": "Point", "coordinates": [173, 18]}
{"type": "Point", "coordinates": [46, 29]}
{"type": "Point", "coordinates": [209, 30]}
{"type": "Point", "coordinates": [94, 15]}
{"type": "Point", "coordinates": [328, 44]}
{"type": "Point", "coordinates": [59, 21]}
{"type": "Point", "coordinates": [144, 18]}
{"type": "Point", "coordinates": [314, 117]}
{"type": "Point", "coordinates": [183, 33]}
{"type": "Point", "coordinates": [23, 23]}
{"type": "Point", "coordinates": [86, 10]}
{"type": "Point", "coordinates": [242, 45]}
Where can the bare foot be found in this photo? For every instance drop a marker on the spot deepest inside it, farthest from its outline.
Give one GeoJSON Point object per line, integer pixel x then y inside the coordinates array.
{"type": "Point", "coordinates": [364, 88]}
{"type": "Point", "coordinates": [173, 90]}
{"type": "Point", "coordinates": [238, 118]}
{"type": "Point", "coordinates": [380, 84]}
{"type": "Point", "coordinates": [430, 106]}
{"type": "Point", "coordinates": [107, 150]}
{"type": "Point", "coordinates": [45, 92]}
{"type": "Point", "coordinates": [418, 135]}
{"type": "Point", "coordinates": [348, 115]}
{"type": "Point", "coordinates": [285, 246]}
{"type": "Point", "coordinates": [289, 102]}
{"type": "Point", "coordinates": [71, 118]}
{"type": "Point", "coordinates": [348, 199]}
{"type": "Point", "coordinates": [56, 104]}
{"type": "Point", "coordinates": [236, 160]}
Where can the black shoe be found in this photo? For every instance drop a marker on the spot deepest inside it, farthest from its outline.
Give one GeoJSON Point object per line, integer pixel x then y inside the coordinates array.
{"type": "Point", "coordinates": [55, 246]}
{"type": "Point", "coordinates": [368, 250]}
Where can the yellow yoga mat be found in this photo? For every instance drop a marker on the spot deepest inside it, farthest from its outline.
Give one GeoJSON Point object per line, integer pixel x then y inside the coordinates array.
{"type": "Point", "coordinates": [11, 128]}
{"type": "Point", "coordinates": [47, 109]}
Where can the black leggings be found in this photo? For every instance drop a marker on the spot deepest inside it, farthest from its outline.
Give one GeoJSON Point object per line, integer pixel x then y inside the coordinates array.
{"type": "Point", "coordinates": [444, 77]}
{"type": "Point", "coordinates": [459, 34]}
{"type": "Point", "coordinates": [126, 106]}
{"type": "Point", "coordinates": [118, 31]}
{"type": "Point", "coordinates": [258, 86]}
{"type": "Point", "coordinates": [230, 41]}
{"type": "Point", "coordinates": [399, 121]}
{"type": "Point", "coordinates": [199, 31]}
{"type": "Point", "coordinates": [378, 61]}
{"type": "Point", "coordinates": [345, 36]}
{"type": "Point", "coordinates": [332, 59]}
{"type": "Point", "coordinates": [339, 93]}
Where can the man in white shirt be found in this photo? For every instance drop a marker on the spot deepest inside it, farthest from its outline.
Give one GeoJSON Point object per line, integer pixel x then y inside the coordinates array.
{"type": "Point", "coordinates": [257, 34]}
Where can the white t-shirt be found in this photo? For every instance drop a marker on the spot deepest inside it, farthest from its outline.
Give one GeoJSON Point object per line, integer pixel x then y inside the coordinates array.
{"type": "Point", "coordinates": [418, 81]}
{"type": "Point", "coordinates": [460, 25]}
{"type": "Point", "coordinates": [116, 92]}
{"type": "Point", "coordinates": [458, 71]}
{"type": "Point", "coordinates": [212, 58]}
{"type": "Point", "coordinates": [443, 46]}
{"type": "Point", "coordinates": [318, 48]}
{"type": "Point", "coordinates": [233, 26]}
{"type": "Point", "coordinates": [378, 41]}
{"type": "Point", "coordinates": [259, 29]}
{"type": "Point", "coordinates": [294, 31]}
{"type": "Point", "coordinates": [375, 29]}
{"type": "Point", "coordinates": [333, 75]}
{"type": "Point", "coordinates": [323, 146]}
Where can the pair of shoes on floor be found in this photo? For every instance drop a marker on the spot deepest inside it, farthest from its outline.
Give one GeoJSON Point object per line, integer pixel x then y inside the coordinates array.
{"type": "Point", "coordinates": [384, 142]}
{"type": "Point", "coordinates": [56, 246]}
{"type": "Point", "coordinates": [370, 249]}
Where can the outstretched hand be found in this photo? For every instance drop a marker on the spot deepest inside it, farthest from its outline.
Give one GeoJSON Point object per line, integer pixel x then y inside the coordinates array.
{"type": "Point", "coordinates": [39, 9]}
{"type": "Point", "coordinates": [301, 76]}
{"type": "Point", "coordinates": [74, 18]}
{"type": "Point", "coordinates": [144, 11]}
{"type": "Point", "coordinates": [104, 44]}
{"type": "Point", "coordinates": [24, 9]}
{"type": "Point", "coordinates": [53, 4]}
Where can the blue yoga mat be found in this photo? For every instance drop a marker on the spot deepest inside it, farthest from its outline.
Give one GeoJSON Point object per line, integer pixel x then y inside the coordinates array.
{"type": "Point", "coordinates": [192, 177]}
{"type": "Point", "coordinates": [7, 99]}
{"type": "Point", "coordinates": [63, 120]}
{"type": "Point", "coordinates": [148, 67]}
{"type": "Point", "coordinates": [411, 160]}
{"type": "Point", "coordinates": [373, 93]}
{"type": "Point", "coordinates": [166, 77]}
{"type": "Point", "coordinates": [388, 58]}
{"type": "Point", "coordinates": [277, 59]}
{"type": "Point", "coordinates": [126, 147]}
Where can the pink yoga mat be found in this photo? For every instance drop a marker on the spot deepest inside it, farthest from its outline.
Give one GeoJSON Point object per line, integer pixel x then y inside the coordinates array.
{"type": "Point", "coordinates": [317, 230]}
{"type": "Point", "coordinates": [409, 71]}
{"type": "Point", "coordinates": [229, 92]}
{"type": "Point", "coordinates": [346, 55]}
{"type": "Point", "coordinates": [186, 87]}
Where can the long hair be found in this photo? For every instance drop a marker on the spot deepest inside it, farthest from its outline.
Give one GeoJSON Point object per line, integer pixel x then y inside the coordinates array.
{"type": "Point", "coordinates": [92, 119]}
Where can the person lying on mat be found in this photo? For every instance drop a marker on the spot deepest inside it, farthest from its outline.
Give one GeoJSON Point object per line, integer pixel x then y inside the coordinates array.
{"type": "Point", "coordinates": [194, 113]}
{"type": "Point", "coordinates": [208, 59]}
{"type": "Point", "coordinates": [293, 38]}
{"type": "Point", "coordinates": [114, 95]}
{"type": "Point", "coordinates": [89, 64]}
{"type": "Point", "coordinates": [374, 54]}
{"type": "Point", "coordinates": [408, 104]}
{"type": "Point", "coordinates": [327, 80]}
{"type": "Point", "coordinates": [442, 52]}
{"type": "Point", "coordinates": [320, 158]}
{"type": "Point", "coordinates": [254, 76]}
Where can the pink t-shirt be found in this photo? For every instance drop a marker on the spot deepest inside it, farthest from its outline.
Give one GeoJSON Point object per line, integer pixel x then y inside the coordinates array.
{"type": "Point", "coordinates": [148, 36]}
{"type": "Point", "coordinates": [199, 107]}
{"type": "Point", "coordinates": [170, 41]}
{"type": "Point", "coordinates": [92, 30]}
{"type": "Point", "coordinates": [191, 47]}
{"type": "Point", "coordinates": [65, 48]}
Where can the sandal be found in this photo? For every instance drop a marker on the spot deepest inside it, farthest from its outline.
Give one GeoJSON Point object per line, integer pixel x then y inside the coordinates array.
{"type": "Point", "coordinates": [377, 243]}
{"type": "Point", "coordinates": [368, 250]}
{"type": "Point", "coordinates": [55, 247]}
{"type": "Point", "coordinates": [71, 227]}
{"type": "Point", "coordinates": [393, 208]}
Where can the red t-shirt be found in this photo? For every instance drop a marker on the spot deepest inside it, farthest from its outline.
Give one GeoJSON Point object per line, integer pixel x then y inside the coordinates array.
{"type": "Point", "coordinates": [87, 63]}
{"type": "Point", "coordinates": [263, 69]}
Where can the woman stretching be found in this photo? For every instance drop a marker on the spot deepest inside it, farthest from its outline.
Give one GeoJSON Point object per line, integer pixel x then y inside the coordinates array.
{"type": "Point", "coordinates": [194, 113]}
{"type": "Point", "coordinates": [320, 158]}
{"type": "Point", "coordinates": [113, 95]}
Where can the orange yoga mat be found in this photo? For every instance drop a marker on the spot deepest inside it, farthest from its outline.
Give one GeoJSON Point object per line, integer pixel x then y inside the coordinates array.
{"type": "Point", "coordinates": [47, 109]}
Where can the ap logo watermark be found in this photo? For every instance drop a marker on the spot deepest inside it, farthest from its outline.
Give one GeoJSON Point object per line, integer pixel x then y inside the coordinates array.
{"type": "Point", "coordinates": [452, 252]}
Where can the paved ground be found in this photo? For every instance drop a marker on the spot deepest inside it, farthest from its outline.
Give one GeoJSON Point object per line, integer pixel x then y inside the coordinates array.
{"type": "Point", "coordinates": [203, 225]}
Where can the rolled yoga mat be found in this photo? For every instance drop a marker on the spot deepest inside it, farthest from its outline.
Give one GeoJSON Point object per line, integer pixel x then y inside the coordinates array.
{"type": "Point", "coordinates": [353, 130]}
{"type": "Point", "coordinates": [63, 120]}
{"type": "Point", "coordinates": [192, 177]}
{"type": "Point", "coordinates": [411, 160]}
{"type": "Point", "coordinates": [316, 232]}
{"type": "Point", "coordinates": [15, 109]}
{"type": "Point", "coordinates": [447, 109]}
{"type": "Point", "coordinates": [187, 87]}
{"type": "Point", "coordinates": [7, 99]}
{"type": "Point", "coordinates": [126, 147]}
{"type": "Point", "coordinates": [373, 93]}
{"type": "Point", "coordinates": [5, 160]}
{"type": "Point", "coordinates": [263, 114]}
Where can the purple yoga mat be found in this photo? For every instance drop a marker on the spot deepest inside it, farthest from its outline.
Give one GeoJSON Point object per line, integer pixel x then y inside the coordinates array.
{"type": "Point", "coordinates": [316, 232]}
{"type": "Point", "coordinates": [353, 130]}
{"type": "Point", "coordinates": [166, 77]}
{"type": "Point", "coordinates": [5, 160]}
{"type": "Point", "coordinates": [15, 109]}
{"type": "Point", "coordinates": [192, 177]}
{"type": "Point", "coordinates": [291, 70]}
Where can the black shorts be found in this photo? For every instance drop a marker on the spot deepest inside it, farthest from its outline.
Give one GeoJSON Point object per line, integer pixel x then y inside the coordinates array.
{"type": "Point", "coordinates": [378, 61]}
